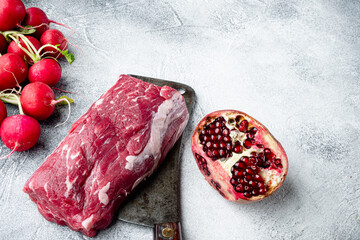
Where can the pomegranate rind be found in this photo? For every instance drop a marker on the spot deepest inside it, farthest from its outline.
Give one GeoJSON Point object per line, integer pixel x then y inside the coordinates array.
{"type": "Point", "coordinates": [219, 176]}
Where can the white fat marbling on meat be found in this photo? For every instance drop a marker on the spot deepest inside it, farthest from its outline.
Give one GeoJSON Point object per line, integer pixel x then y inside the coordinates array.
{"type": "Point", "coordinates": [69, 185]}
{"type": "Point", "coordinates": [99, 102]}
{"type": "Point", "coordinates": [87, 222]}
{"type": "Point", "coordinates": [73, 156]}
{"type": "Point", "coordinates": [103, 197]}
{"type": "Point", "coordinates": [167, 112]}
{"type": "Point", "coordinates": [82, 129]}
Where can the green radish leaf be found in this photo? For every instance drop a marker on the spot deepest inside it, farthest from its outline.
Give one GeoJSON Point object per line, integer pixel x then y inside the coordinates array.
{"type": "Point", "coordinates": [69, 56]}
{"type": "Point", "coordinates": [27, 31]}
{"type": "Point", "coordinates": [63, 102]}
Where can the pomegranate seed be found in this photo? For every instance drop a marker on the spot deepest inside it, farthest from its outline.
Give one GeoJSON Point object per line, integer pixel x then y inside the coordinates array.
{"type": "Point", "coordinates": [250, 171]}
{"type": "Point", "coordinates": [247, 194]}
{"type": "Point", "coordinates": [250, 136]}
{"type": "Point", "coordinates": [233, 181]}
{"type": "Point", "coordinates": [222, 145]}
{"type": "Point", "coordinates": [254, 154]}
{"type": "Point", "coordinates": [257, 178]}
{"type": "Point", "coordinates": [252, 183]}
{"type": "Point", "coordinates": [218, 124]}
{"type": "Point", "coordinates": [206, 138]}
{"type": "Point", "coordinates": [248, 177]}
{"type": "Point", "coordinates": [252, 160]}
{"type": "Point", "coordinates": [242, 181]}
{"type": "Point", "coordinates": [262, 191]}
{"type": "Point", "coordinates": [217, 130]}
{"type": "Point", "coordinates": [261, 185]}
{"type": "Point", "coordinates": [255, 192]}
{"type": "Point", "coordinates": [219, 137]}
{"type": "Point", "coordinates": [238, 118]}
{"type": "Point", "coordinates": [215, 145]}
{"type": "Point", "coordinates": [226, 132]}
{"type": "Point", "coordinates": [245, 160]}
{"type": "Point", "coordinates": [243, 126]}
{"type": "Point", "coordinates": [247, 189]}
{"type": "Point", "coordinates": [211, 132]}
{"type": "Point", "coordinates": [237, 174]}
{"type": "Point", "coordinates": [247, 144]}
{"type": "Point", "coordinates": [277, 161]}
{"type": "Point", "coordinates": [208, 144]}
{"type": "Point", "coordinates": [212, 125]}
{"type": "Point", "coordinates": [229, 146]}
{"type": "Point", "coordinates": [280, 166]}
{"type": "Point", "coordinates": [215, 153]}
{"type": "Point", "coordinates": [238, 149]}
{"type": "Point", "coordinates": [260, 145]}
{"type": "Point", "coordinates": [267, 151]}
{"type": "Point", "coordinates": [241, 165]}
{"type": "Point", "coordinates": [209, 153]}
{"type": "Point", "coordinates": [222, 153]}
{"type": "Point", "coordinates": [227, 139]}
{"type": "Point", "coordinates": [239, 188]}
{"type": "Point", "coordinates": [213, 137]}
{"type": "Point", "coordinates": [253, 130]}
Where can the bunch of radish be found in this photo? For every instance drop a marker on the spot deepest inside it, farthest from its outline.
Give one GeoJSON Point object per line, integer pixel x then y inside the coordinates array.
{"type": "Point", "coordinates": [29, 50]}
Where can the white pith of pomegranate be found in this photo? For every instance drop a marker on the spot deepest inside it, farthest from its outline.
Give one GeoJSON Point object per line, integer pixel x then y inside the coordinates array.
{"type": "Point", "coordinates": [238, 156]}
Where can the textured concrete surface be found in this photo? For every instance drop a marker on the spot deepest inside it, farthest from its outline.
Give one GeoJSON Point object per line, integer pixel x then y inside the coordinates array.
{"type": "Point", "coordinates": [293, 65]}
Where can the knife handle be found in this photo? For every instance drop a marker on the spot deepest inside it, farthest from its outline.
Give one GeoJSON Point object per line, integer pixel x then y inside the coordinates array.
{"type": "Point", "coordinates": [167, 231]}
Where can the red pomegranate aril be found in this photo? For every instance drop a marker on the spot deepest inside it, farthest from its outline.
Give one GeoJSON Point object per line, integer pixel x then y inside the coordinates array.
{"type": "Point", "coordinates": [237, 174]}
{"type": "Point", "coordinates": [253, 130]}
{"type": "Point", "coordinates": [237, 149]}
{"type": "Point", "coordinates": [222, 145]}
{"type": "Point", "coordinates": [238, 118]}
{"type": "Point", "coordinates": [216, 145]}
{"type": "Point", "coordinates": [250, 171]}
{"type": "Point", "coordinates": [215, 153]}
{"type": "Point", "coordinates": [233, 181]}
{"type": "Point", "coordinates": [262, 191]}
{"type": "Point", "coordinates": [252, 183]}
{"type": "Point", "coordinates": [209, 153]}
{"type": "Point", "coordinates": [222, 153]}
{"type": "Point", "coordinates": [226, 132]}
{"type": "Point", "coordinates": [218, 124]}
{"type": "Point", "coordinates": [212, 125]}
{"type": "Point", "coordinates": [267, 151]}
{"type": "Point", "coordinates": [245, 160]}
{"type": "Point", "coordinates": [239, 188]}
{"type": "Point", "coordinates": [247, 194]}
{"type": "Point", "coordinates": [241, 165]}
{"type": "Point", "coordinates": [248, 177]}
{"type": "Point", "coordinates": [243, 126]}
{"type": "Point", "coordinates": [229, 146]}
{"type": "Point", "coordinates": [260, 145]}
{"type": "Point", "coordinates": [220, 138]}
{"type": "Point", "coordinates": [247, 189]}
{"type": "Point", "coordinates": [261, 185]}
{"type": "Point", "coordinates": [258, 178]}
{"type": "Point", "coordinates": [227, 139]}
{"type": "Point", "coordinates": [255, 192]}
{"type": "Point", "coordinates": [247, 143]}
{"type": "Point", "coordinates": [213, 137]}
{"type": "Point", "coordinates": [217, 130]}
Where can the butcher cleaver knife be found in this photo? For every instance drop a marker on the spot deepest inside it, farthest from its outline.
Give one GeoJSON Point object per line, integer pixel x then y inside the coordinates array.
{"type": "Point", "coordinates": [156, 201]}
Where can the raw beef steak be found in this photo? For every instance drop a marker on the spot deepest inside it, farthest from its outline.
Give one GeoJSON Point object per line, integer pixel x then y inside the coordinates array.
{"type": "Point", "coordinates": [121, 140]}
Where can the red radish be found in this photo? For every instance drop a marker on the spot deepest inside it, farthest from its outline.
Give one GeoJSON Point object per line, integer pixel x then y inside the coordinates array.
{"type": "Point", "coordinates": [14, 48]}
{"type": "Point", "coordinates": [3, 112]}
{"type": "Point", "coordinates": [12, 12]}
{"type": "Point", "coordinates": [20, 132]}
{"type": "Point", "coordinates": [47, 71]}
{"type": "Point", "coordinates": [3, 44]}
{"type": "Point", "coordinates": [38, 100]}
{"type": "Point", "coordinates": [53, 37]}
{"type": "Point", "coordinates": [38, 19]}
{"type": "Point", "coordinates": [13, 71]}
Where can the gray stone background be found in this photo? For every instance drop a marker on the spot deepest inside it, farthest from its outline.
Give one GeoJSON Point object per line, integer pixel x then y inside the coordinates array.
{"type": "Point", "coordinates": [293, 65]}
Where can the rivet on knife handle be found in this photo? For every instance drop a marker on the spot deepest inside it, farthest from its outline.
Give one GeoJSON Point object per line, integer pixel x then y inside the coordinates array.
{"type": "Point", "coordinates": [167, 231]}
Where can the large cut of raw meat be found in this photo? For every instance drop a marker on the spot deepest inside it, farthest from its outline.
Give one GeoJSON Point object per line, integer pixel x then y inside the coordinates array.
{"type": "Point", "coordinates": [118, 142]}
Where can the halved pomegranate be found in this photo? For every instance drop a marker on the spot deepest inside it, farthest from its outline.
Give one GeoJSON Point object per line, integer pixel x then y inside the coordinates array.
{"type": "Point", "coordinates": [238, 156]}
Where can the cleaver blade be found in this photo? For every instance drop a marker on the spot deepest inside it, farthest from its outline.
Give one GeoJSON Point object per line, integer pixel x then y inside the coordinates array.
{"type": "Point", "coordinates": [156, 201]}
